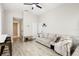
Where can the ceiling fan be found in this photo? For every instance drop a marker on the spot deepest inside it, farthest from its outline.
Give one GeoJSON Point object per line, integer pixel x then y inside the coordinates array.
{"type": "Point", "coordinates": [33, 5]}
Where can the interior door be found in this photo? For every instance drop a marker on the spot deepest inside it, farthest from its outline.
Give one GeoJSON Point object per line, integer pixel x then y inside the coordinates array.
{"type": "Point", "coordinates": [15, 29]}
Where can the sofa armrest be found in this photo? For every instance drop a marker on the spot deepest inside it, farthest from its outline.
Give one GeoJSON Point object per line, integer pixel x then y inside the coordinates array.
{"type": "Point", "coordinates": [63, 47]}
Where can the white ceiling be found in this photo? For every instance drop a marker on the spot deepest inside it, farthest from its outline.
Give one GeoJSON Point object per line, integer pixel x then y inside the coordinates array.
{"type": "Point", "coordinates": [45, 8]}
{"type": "Point", "coordinates": [19, 7]}
{"type": "Point", "coordinates": [13, 7]}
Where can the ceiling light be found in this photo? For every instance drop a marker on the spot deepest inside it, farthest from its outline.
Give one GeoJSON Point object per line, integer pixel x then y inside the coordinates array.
{"type": "Point", "coordinates": [34, 5]}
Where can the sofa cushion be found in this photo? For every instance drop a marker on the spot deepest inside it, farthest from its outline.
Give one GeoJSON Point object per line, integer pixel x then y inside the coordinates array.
{"type": "Point", "coordinates": [66, 37]}
{"type": "Point", "coordinates": [44, 41]}
{"type": "Point", "coordinates": [52, 37]}
{"type": "Point", "coordinates": [45, 35]}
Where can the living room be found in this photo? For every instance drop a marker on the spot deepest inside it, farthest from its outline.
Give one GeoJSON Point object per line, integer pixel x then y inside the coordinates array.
{"type": "Point", "coordinates": [50, 24]}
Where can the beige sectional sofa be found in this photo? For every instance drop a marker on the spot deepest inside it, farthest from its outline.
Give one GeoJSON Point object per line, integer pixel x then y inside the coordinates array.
{"type": "Point", "coordinates": [62, 46]}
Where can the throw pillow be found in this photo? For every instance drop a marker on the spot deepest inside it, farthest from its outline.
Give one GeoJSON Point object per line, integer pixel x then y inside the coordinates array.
{"type": "Point", "coordinates": [58, 39]}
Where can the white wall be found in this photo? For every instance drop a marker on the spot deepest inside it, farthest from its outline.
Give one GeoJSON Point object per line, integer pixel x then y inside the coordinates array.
{"type": "Point", "coordinates": [29, 24]}
{"type": "Point", "coordinates": [9, 20]}
{"type": "Point", "coordinates": [4, 22]}
{"type": "Point", "coordinates": [0, 20]}
{"type": "Point", "coordinates": [4, 28]}
{"type": "Point", "coordinates": [63, 19]}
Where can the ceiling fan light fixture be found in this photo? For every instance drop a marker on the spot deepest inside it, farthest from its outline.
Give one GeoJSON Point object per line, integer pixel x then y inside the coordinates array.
{"type": "Point", "coordinates": [34, 5]}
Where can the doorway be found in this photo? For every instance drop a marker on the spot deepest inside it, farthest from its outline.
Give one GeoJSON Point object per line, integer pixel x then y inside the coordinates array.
{"type": "Point", "coordinates": [16, 30]}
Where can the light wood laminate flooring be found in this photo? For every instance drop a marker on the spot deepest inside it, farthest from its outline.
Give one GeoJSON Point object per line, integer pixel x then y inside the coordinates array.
{"type": "Point", "coordinates": [31, 48]}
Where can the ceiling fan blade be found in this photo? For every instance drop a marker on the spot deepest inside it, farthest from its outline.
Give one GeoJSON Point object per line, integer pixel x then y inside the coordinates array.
{"type": "Point", "coordinates": [38, 6]}
{"type": "Point", "coordinates": [35, 3]}
{"type": "Point", "coordinates": [27, 3]}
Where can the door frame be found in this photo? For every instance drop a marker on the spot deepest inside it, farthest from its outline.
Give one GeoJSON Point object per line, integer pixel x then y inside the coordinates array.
{"type": "Point", "coordinates": [18, 28]}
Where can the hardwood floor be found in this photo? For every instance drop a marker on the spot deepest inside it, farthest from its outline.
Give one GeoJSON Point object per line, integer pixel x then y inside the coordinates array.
{"type": "Point", "coordinates": [31, 48]}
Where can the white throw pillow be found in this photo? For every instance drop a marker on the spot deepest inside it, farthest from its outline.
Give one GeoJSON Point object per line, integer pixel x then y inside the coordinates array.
{"type": "Point", "coordinates": [52, 37]}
